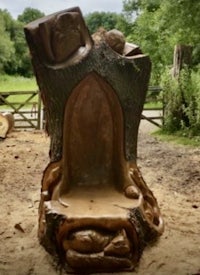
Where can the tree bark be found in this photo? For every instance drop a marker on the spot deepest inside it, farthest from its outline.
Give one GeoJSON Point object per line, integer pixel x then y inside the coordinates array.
{"type": "Point", "coordinates": [95, 209]}
{"type": "Point", "coordinates": [182, 56]}
{"type": "Point", "coordinates": [56, 87]}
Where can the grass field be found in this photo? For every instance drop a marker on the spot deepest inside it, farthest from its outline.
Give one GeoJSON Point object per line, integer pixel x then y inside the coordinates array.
{"type": "Point", "coordinates": [17, 83]}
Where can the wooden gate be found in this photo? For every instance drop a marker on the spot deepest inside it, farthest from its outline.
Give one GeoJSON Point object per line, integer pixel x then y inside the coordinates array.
{"type": "Point", "coordinates": [154, 115]}
{"type": "Point", "coordinates": [24, 105]}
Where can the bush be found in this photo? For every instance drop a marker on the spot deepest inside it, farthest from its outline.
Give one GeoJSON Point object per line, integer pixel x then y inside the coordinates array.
{"type": "Point", "coordinates": [182, 102]}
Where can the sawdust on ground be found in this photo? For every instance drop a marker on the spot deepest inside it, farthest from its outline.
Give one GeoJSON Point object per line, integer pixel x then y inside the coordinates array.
{"type": "Point", "coordinates": [171, 171]}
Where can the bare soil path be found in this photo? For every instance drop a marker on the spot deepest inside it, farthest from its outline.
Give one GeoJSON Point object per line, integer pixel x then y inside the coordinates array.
{"type": "Point", "coordinates": [171, 171]}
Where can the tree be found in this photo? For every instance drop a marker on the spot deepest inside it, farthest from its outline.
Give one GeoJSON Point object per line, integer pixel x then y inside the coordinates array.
{"type": "Point", "coordinates": [162, 24]}
{"type": "Point", "coordinates": [14, 53]}
{"type": "Point", "coordinates": [159, 26]}
{"type": "Point", "coordinates": [107, 20]}
{"type": "Point", "coordinates": [19, 62]}
{"type": "Point", "coordinates": [6, 45]}
{"type": "Point", "coordinates": [29, 15]}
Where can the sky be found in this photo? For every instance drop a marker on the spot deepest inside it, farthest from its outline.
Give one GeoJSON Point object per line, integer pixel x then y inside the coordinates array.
{"type": "Point", "coordinates": [16, 7]}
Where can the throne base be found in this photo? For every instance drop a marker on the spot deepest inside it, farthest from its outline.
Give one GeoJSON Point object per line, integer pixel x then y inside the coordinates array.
{"type": "Point", "coordinates": [101, 231]}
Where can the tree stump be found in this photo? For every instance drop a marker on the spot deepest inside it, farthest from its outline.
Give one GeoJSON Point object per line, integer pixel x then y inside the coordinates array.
{"type": "Point", "coordinates": [182, 56]}
{"type": "Point", "coordinates": [96, 212]}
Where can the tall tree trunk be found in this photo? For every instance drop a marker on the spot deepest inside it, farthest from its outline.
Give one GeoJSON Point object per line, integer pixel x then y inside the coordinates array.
{"type": "Point", "coordinates": [182, 57]}
{"type": "Point", "coordinates": [182, 60]}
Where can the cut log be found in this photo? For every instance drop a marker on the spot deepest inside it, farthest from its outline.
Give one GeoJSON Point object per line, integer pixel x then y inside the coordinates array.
{"type": "Point", "coordinates": [11, 120]}
{"type": "Point", "coordinates": [6, 124]}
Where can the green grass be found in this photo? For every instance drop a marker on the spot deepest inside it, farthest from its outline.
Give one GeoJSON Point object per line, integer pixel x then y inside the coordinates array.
{"type": "Point", "coordinates": [177, 138]}
{"type": "Point", "coordinates": [17, 83]}
{"type": "Point", "coordinates": [153, 105]}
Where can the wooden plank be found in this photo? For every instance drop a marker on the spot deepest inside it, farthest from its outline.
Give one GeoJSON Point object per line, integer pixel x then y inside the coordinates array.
{"type": "Point", "coordinates": [153, 109]}
{"type": "Point", "coordinates": [151, 121]}
{"type": "Point", "coordinates": [25, 127]}
{"type": "Point", "coordinates": [18, 93]}
{"type": "Point", "coordinates": [24, 112]}
{"type": "Point", "coordinates": [19, 120]}
{"type": "Point", "coordinates": [24, 103]}
{"type": "Point", "coordinates": [39, 112]}
{"type": "Point", "coordinates": [152, 117]}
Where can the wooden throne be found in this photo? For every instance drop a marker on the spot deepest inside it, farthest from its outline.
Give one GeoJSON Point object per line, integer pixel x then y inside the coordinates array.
{"type": "Point", "coordinates": [96, 212]}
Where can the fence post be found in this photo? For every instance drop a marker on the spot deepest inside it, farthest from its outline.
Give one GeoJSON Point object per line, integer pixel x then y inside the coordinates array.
{"type": "Point", "coordinates": [39, 126]}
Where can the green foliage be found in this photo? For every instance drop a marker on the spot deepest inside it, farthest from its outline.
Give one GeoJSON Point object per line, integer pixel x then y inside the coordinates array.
{"type": "Point", "coordinates": [19, 62]}
{"type": "Point", "coordinates": [6, 45]}
{"type": "Point", "coordinates": [160, 25]}
{"type": "Point", "coordinates": [137, 6]}
{"type": "Point", "coordinates": [14, 52]}
{"type": "Point", "coordinates": [29, 15]}
{"type": "Point", "coordinates": [181, 99]}
{"type": "Point", "coordinates": [107, 20]}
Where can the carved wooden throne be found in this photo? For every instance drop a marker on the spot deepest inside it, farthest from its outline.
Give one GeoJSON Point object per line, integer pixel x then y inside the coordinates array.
{"type": "Point", "coordinates": [96, 212]}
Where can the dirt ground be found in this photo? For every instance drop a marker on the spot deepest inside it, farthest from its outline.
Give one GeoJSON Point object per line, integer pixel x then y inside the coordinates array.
{"type": "Point", "coordinates": [171, 171]}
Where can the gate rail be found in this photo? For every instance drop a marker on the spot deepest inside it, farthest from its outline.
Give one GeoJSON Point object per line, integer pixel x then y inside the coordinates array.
{"type": "Point", "coordinates": [27, 112]}
{"type": "Point", "coordinates": [152, 95]}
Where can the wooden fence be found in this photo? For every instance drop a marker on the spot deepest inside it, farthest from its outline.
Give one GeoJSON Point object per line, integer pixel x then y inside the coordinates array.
{"type": "Point", "coordinates": [27, 109]}
{"type": "Point", "coordinates": [154, 115]}
{"type": "Point", "coordinates": [25, 106]}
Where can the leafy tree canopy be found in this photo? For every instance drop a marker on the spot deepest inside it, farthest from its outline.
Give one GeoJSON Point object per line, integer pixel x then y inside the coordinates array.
{"type": "Point", "coordinates": [14, 53]}
{"type": "Point", "coordinates": [160, 25]}
{"type": "Point", "coordinates": [6, 44]}
{"type": "Point", "coordinates": [107, 20]}
{"type": "Point", "coordinates": [29, 15]}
